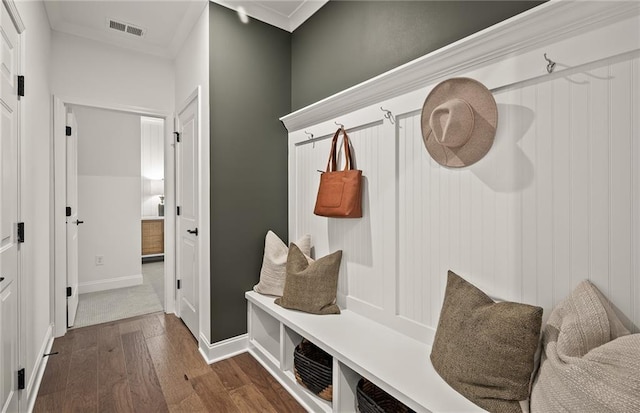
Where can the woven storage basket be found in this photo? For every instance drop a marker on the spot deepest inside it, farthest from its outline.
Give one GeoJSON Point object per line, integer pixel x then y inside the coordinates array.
{"type": "Point", "coordinates": [313, 369]}
{"type": "Point", "coordinates": [372, 399]}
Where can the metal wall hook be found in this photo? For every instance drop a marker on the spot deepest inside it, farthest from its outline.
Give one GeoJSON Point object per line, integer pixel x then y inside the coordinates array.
{"type": "Point", "coordinates": [388, 115]}
{"type": "Point", "coordinates": [551, 65]}
{"type": "Point", "coordinates": [339, 124]}
{"type": "Point", "coordinates": [313, 144]}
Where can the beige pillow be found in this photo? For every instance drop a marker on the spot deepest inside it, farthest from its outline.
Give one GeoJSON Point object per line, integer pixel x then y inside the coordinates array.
{"type": "Point", "coordinates": [311, 286]}
{"type": "Point", "coordinates": [483, 349]}
{"type": "Point", "coordinates": [590, 362]}
{"type": "Point", "coordinates": [274, 261]}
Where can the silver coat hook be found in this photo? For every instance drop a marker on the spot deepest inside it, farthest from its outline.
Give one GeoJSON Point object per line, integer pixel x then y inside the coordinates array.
{"type": "Point", "coordinates": [339, 124]}
{"type": "Point", "coordinates": [313, 145]}
{"type": "Point", "coordinates": [388, 115]}
{"type": "Point", "coordinates": [551, 65]}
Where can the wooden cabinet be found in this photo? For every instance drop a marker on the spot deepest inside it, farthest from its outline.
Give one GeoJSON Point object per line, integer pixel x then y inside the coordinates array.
{"type": "Point", "coordinates": [152, 236]}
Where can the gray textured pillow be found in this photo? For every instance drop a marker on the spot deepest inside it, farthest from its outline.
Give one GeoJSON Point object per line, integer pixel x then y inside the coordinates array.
{"type": "Point", "coordinates": [311, 286]}
{"type": "Point", "coordinates": [274, 262]}
{"type": "Point", "coordinates": [483, 349]}
{"type": "Point", "coordinates": [590, 363]}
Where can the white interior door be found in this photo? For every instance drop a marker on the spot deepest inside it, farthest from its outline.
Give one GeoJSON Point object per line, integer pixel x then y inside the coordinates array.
{"type": "Point", "coordinates": [9, 214]}
{"type": "Point", "coordinates": [187, 221]}
{"type": "Point", "coordinates": [72, 220]}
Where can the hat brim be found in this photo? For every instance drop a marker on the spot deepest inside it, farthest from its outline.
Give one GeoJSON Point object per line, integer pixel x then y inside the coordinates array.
{"type": "Point", "coordinates": [485, 113]}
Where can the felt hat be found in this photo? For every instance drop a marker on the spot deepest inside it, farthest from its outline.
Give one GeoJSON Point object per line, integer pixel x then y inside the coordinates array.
{"type": "Point", "coordinates": [459, 119]}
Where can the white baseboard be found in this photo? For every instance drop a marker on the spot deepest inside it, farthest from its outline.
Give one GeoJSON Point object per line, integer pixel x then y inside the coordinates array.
{"type": "Point", "coordinates": [38, 369]}
{"type": "Point", "coordinates": [222, 349]}
{"type": "Point", "coordinates": [109, 284]}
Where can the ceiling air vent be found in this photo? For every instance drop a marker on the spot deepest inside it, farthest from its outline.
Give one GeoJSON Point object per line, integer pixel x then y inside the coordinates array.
{"type": "Point", "coordinates": [125, 27]}
{"type": "Point", "coordinates": [117, 25]}
{"type": "Point", "coordinates": [134, 30]}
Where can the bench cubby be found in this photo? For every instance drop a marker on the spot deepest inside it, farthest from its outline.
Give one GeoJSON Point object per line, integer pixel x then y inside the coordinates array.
{"type": "Point", "coordinates": [360, 347]}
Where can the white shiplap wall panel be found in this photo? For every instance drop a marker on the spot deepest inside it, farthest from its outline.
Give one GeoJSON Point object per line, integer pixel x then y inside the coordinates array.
{"type": "Point", "coordinates": [364, 241]}
{"type": "Point", "coordinates": [562, 240]}
{"type": "Point", "coordinates": [621, 254]}
{"type": "Point", "coordinates": [599, 140]}
{"type": "Point", "coordinates": [550, 205]}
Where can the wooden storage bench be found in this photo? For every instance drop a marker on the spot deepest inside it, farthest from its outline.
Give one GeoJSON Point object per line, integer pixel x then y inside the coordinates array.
{"type": "Point", "coordinates": [360, 347]}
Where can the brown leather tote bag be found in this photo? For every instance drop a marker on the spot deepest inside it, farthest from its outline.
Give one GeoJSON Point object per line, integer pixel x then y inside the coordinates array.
{"type": "Point", "coordinates": [340, 192]}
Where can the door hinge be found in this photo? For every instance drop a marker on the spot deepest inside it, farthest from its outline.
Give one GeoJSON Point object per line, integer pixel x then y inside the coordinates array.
{"type": "Point", "coordinates": [69, 291]}
{"type": "Point", "coordinates": [20, 232]}
{"type": "Point", "coordinates": [177, 136]}
{"type": "Point", "coordinates": [21, 383]}
{"type": "Point", "coordinates": [178, 285]}
{"type": "Point", "coordinates": [20, 85]}
{"type": "Point", "coordinates": [67, 131]}
{"type": "Point", "coordinates": [68, 211]}
{"type": "Point", "coordinates": [177, 210]}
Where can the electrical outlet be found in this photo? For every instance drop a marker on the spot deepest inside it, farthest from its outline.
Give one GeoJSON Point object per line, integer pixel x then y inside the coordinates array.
{"type": "Point", "coordinates": [99, 259]}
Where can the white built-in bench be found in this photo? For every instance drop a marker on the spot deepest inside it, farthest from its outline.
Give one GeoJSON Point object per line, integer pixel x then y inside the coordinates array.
{"type": "Point", "coordinates": [360, 347]}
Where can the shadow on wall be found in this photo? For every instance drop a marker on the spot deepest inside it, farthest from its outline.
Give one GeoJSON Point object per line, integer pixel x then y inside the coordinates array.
{"type": "Point", "coordinates": [515, 171]}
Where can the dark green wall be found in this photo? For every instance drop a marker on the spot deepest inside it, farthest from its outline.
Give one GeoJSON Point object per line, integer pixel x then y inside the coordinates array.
{"type": "Point", "coordinates": [348, 42]}
{"type": "Point", "coordinates": [250, 81]}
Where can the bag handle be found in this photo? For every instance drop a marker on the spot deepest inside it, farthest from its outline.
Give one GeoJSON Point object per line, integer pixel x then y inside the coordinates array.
{"type": "Point", "coordinates": [332, 164]}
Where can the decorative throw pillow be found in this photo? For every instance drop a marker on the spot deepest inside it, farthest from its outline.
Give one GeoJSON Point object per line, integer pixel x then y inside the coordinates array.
{"type": "Point", "coordinates": [483, 349]}
{"type": "Point", "coordinates": [590, 362]}
{"type": "Point", "coordinates": [311, 286]}
{"type": "Point", "coordinates": [274, 262]}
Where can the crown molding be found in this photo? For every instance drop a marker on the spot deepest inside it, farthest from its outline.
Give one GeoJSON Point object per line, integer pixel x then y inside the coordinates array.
{"type": "Point", "coordinates": [551, 21]}
{"type": "Point", "coordinates": [258, 11]}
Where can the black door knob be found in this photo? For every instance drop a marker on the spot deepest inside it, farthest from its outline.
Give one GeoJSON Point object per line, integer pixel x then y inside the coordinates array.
{"type": "Point", "coordinates": [193, 231]}
{"type": "Point", "coordinates": [78, 222]}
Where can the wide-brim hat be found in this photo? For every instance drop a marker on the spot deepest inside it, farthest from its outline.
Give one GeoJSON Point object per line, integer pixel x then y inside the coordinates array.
{"type": "Point", "coordinates": [459, 119]}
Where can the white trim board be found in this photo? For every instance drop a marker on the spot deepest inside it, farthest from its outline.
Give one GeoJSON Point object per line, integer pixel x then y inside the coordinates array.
{"type": "Point", "coordinates": [550, 22]}
{"type": "Point", "coordinates": [109, 284]}
{"type": "Point", "coordinates": [222, 349]}
{"type": "Point", "coordinates": [36, 377]}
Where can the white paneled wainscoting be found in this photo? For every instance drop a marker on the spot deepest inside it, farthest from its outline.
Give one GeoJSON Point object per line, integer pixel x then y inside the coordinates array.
{"type": "Point", "coordinates": [555, 201]}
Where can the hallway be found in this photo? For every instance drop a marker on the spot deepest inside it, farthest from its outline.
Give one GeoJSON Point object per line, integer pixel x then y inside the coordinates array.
{"type": "Point", "coordinates": [151, 364]}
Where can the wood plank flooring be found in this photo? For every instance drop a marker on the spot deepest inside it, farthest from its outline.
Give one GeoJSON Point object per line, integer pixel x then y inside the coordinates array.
{"type": "Point", "coordinates": [151, 364]}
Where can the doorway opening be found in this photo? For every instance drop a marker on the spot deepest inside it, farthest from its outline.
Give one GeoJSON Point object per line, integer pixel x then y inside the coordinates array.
{"type": "Point", "coordinates": [123, 267]}
{"type": "Point", "coordinates": [119, 185]}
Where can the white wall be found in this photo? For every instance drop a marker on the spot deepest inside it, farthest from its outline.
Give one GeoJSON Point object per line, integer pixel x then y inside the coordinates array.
{"type": "Point", "coordinates": [191, 71]}
{"type": "Point", "coordinates": [35, 198]}
{"type": "Point", "coordinates": [107, 75]}
{"type": "Point", "coordinates": [152, 164]}
{"type": "Point", "coordinates": [108, 198]}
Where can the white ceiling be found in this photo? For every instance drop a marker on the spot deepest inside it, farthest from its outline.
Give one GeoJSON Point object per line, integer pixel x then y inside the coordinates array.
{"type": "Point", "coordinates": [166, 24]}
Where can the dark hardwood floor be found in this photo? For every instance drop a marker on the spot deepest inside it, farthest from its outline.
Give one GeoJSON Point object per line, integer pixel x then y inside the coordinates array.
{"type": "Point", "coordinates": [151, 364]}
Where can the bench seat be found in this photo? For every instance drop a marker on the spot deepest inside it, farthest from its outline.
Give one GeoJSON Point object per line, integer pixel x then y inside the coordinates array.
{"type": "Point", "coordinates": [361, 347]}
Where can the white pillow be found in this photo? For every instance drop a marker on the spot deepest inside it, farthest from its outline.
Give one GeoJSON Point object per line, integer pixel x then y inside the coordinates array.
{"type": "Point", "coordinates": [274, 263]}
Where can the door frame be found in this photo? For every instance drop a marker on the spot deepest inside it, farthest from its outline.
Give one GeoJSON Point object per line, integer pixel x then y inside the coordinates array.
{"type": "Point", "coordinates": [59, 203]}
